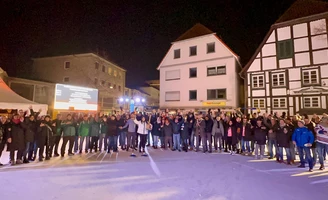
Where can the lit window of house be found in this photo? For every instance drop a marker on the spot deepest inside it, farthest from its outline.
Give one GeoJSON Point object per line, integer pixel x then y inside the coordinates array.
{"type": "Point", "coordinates": [279, 103]}
{"type": "Point", "coordinates": [258, 81]}
{"type": "Point", "coordinates": [258, 103]}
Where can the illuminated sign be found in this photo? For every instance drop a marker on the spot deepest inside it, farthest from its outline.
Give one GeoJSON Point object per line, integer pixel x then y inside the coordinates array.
{"type": "Point", "coordinates": [214, 104]}
{"type": "Point", "coordinates": [70, 97]}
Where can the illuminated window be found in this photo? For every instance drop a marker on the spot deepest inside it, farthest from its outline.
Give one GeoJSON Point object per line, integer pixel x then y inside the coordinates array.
{"type": "Point", "coordinates": [279, 103]}
{"type": "Point", "coordinates": [258, 103]}
{"type": "Point", "coordinates": [110, 71]}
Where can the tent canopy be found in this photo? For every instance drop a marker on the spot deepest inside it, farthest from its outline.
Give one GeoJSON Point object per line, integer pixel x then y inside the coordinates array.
{"type": "Point", "coordinates": [10, 100]}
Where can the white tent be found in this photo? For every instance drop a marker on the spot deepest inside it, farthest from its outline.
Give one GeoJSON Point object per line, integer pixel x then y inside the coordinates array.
{"type": "Point", "coordinates": [10, 100]}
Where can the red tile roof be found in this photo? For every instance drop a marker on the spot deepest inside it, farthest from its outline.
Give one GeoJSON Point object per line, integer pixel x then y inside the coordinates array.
{"type": "Point", "coordinates": [303, 8]}
{"type": "Point", "coordinates": [196, 31]}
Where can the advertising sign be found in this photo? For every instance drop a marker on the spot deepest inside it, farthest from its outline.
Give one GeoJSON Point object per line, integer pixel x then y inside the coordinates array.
{"type": "Point", "coordinates": [70, 97]}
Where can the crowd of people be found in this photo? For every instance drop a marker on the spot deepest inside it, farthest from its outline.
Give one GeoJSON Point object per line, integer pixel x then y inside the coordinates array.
{"type": "Point", "coordinates": [30, 137]}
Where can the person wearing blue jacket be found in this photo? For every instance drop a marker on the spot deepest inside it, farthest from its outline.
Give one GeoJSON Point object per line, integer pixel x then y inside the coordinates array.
{"type": "Point", "coordinates": [303, 138]}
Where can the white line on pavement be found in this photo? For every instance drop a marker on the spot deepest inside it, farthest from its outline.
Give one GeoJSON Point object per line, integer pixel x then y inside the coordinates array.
{"type": "Point", "coordinates": [99, 155]}
{"type": "Point", "coordinates": [249, 167]}
{"type": "Point", "coordinates": [103, 157]}
{"type": "Point", "coordinates": [153, 164]}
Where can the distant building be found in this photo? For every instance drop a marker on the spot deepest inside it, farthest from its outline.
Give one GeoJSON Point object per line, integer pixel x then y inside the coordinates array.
{"type": "Point", "coordinates": [199, 72]}
{"type": "Point", "coordinates": [153, 83]}
{"type": "Point", "coordinates": [152, 100]}
{"type": "Point", "coordinates": [86, 70]}
{"type": "Point", "coordinates": [289, 70]}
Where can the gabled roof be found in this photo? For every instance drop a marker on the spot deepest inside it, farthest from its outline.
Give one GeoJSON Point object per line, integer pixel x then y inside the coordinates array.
{"type": "Point", "coordinates": [300, 9]}
{"type": "Point", "coordinates": [196, 31]}
{"type": "Point", "coordinates": [303, 8]}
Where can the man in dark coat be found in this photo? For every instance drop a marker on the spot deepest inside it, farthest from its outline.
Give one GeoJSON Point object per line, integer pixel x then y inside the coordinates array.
{"type": "Point", "coordinates": [43, 137]}
{"type": "Point", "coordinates": [260, 134]}
{"type": "Point", "coordinates": [16, 140]}
{"type": "Point", "coordinates": [207, 136]}
{"type": "Point", "coordinates": [3, 134]}
{"type": "Point", "coordinates": [284, 134]}
{"type": "Point", "coordinates": [30, 128]}
{"type": "Point", "coordinates": [57, 133]}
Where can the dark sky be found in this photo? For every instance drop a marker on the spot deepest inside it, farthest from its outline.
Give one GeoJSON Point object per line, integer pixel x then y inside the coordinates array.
{"type": "Point", "coordinates": [135, 34]}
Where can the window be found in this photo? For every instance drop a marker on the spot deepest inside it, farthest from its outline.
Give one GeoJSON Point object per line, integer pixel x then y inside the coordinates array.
{"type": "Point", "coordinates": [258, 103]}
{"type": "Point", "coordinates": [115, 73]}
{"type": "Point", "coordinates": [213, 71]}
{"type": "Point", "coordinates": [193, 72]}
{"type": "Point", "coordinates": [279, 103]}
{"type": "Point", "coordinates": [67, 65]}
{"type": "Point", "coordinates": [210, 47]}
{"type": "Point", "coordinates": [285, 49]}
{"type": "Point", "coordinates": [114, 86]}
{"type": "Point", "coordinates": [110, 71]}
{"type": "Point", "coordinates": [172, 96]}
{"type": "Point", "coordinates": [310, 77]}
{"type": "Point", "coordinates": [96, 65]}
{"type": "Point", "coordinates": [258, 81]}
{"type": "Point", "coordinates": [193, 51]}
{"type": "Point", "coordinates": [278, 79]}
{"type": "Point", "coordinates": [193, 95]}
{"type": "Point", "coordinates": [66, 79]}
{"type": "Point", "coordinates": [119, 88]}
{"type": "Point", "coordinates": [176, 53]}
{"type": "Point", "coordinates": [103, 68]}
{"type": "Point", "coordinates": [216, 94]}
{"type": "Point", "coordinates": [311, 102]}
{"type": "Point", "coordinates": [103, 82]}
{"type": "Point", "coordinates": [172, 75]}
{"type": "Point", "coordinates": [96, 81]}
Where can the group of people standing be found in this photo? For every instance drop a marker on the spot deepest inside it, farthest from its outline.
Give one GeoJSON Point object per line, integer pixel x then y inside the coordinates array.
{"type": "Point", "coordinates": [34, 137]}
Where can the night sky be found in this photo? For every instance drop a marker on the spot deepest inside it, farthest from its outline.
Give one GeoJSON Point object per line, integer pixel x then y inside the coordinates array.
{"type": "Point", "coordinates": [135, 34]}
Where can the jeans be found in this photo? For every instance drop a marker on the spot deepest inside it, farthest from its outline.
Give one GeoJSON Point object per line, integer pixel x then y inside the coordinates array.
{"type": "Point", "coordinates": [155, 140]}
{"type": "Point", "coordinates": [162, 139]}
{"type": "Point", "coordinates": [321, 151]}
{"type": "Point", "coordinates": [33, 150]}
{"type": "Point", "coordinates": [292, 151]}
{"type": "Point", "coordinates": [87, 138]}
{"type": "Point", "coordinates": [314, 155]}
{"type": "Point", "coordinates": [168, 139]}
{"type": "Point", "coordinates": [272, 143]}
{"type": "Point", "coordinates": [192, 139]}
{"type": "Point", "coordinates": [76, 143]}
{"type": "Point", "coordinates": [197, 142]}
{"type": "Point", "coordinates": [148, 137]}
{"type": "Point", "coordinates": [103, 139]}
{"type": "Point", "coordinates": [261, 148]}
{"type": "Point", "coordinates": [122, 138]}
{"type": "Point", "coordinates": [207, 137]}
{"type": "Point", "coordinates": [113, 143]}
{"type": "Point", "coordinates": [27, 147]}
{"type": "Point", "coordinates": [67, 139]}
{"type": "Point", "coordinates": [176, 141]}
{"type": "Point", "coordinates": [308, 156]}
{"type": "Point", "coordinates": [281, 154]}
{"type": "Point", "coordinates": [218, 139]}
{"type": "Point", "coordinates": [131, 138]}
{"type": "Point", "coordinates": [245, 145]}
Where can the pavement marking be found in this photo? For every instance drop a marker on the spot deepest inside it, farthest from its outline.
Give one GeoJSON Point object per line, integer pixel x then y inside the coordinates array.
{"type": "Point", "coordinates": [103, 157]}
{"type": "Point", "coordinates": [153, 164]}
{"type": "Point", "coordinates": [99, 155]}
{"type": "Point", "coordinates": [91, 156]}
{"type": "Point", "coordinates": [252, 168]}
{"type": "Point", "coordinates": [318, 182]}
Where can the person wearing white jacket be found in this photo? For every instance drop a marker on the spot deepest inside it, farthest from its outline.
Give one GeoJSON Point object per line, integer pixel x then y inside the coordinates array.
{"type": "Point", "coordinates": [142, 131]}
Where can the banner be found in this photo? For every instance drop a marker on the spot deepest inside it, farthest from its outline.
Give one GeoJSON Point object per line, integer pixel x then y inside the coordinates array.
{"type": "Point", "coordinates": [214, 104]}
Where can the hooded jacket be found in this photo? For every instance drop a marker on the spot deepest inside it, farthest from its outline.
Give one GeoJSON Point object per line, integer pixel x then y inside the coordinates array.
{"type": "Point", "coordinates": [302, 136]}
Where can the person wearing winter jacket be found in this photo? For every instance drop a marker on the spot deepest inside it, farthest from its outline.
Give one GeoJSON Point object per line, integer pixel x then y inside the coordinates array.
{"type": "Point", "coordinates": [303, 138]}
{"type": "Point", "coordinates": [218, 132]}
{"type": "Point", "coordinates": [272, 140]}
{"type": "Point", "coordinates": [94, 133]}
{"type": "Point", "coordinates": [103, 138]}
{"type": "Point", "coordinates": [30, 128]}
{"type": "Point", "coordinates": [322, 130]}
{"type": "Point", "coordinates": [16, 139]}
{"type": "Point", "coordinates": [231, 136]}
{"type": "Point", "coordinates": [311, 125]}
{"type": "Point", "coordinates": [84, 134]}
{"type": "Point", "coordinates": [239, 132]}
{"type": "Point", "coordinates": [156, 131]}
{"type": "Point", "coordinates": [191, 120]}
{"type": "Point", "coordinates": [121, 121]}
{"type": "Point", "coordinates": [260, 134]}
{"type": "Point", "coordinates": [167, 130]}
{"type": "Point", "coordinates": [246, 137]}
{"type": "Point", "coordinates": [185, 127]}
{"type": "Point", "coordinates": [43, 137]}
{"type": "Point", "coordinates": [131, 135]}
{"type": "Point", "coordinates": [143, 132]}
{"type": "Point", "coordinates": [176, 124]}
{"type": "Point", "coordinates": [207, 136]}
{"type": "Point", "coordinates": [112, 133]}
{"type": "Point", "coordinates": [283, 136]}
{"type": "Point", "coordinates": [56, 135]}
{"type": "Point", "coordinates": [199, 130]}
{"type": "Point", "coordinates": [69, 131]}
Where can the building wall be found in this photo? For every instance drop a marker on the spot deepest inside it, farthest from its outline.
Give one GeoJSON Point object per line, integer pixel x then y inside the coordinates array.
{"type": "Point", "coordinates": [86, 70]}
{"type": "Point", "coordinates": [183, 83]}
{"type": "Point", "coordinates": [310, 52]}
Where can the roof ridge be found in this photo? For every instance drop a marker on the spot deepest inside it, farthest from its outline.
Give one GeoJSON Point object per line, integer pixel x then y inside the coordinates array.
{"type": "Point", "coordinates": [197, 30]}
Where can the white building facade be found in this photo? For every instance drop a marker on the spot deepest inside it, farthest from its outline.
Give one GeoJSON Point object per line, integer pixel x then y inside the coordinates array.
{"type": "Point", "coordinates": [199, 72]}
{"type": "Point", "coordinates": [289, 71]}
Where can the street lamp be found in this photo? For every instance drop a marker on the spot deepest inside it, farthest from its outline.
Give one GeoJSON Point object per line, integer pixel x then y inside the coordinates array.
{"type": "Point", "coordinates": [137, 100]}
{"type": "Point", "coordinates": [143, 100]}
{"type": "Point", "coordinates": [121, 99]}
{"type": "Point", "coordinates": [126, 100]}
